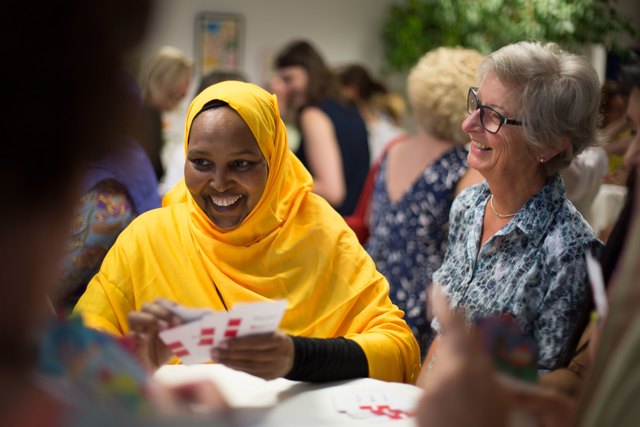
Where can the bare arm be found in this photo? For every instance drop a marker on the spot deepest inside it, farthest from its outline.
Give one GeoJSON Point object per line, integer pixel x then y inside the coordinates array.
{"type": "Point", "coordinates": [323, 155]}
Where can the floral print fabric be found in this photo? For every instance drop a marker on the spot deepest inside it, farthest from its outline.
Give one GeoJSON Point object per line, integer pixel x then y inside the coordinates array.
{"type": "Point", "coordinates": [534, 268]}
{"type": "Point", "coordinates": [409, 237]}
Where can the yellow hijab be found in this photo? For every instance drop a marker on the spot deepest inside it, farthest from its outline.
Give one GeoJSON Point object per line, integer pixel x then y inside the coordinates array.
{"type": "Point", "coordinates": [293, 246]}
{"type": "Point", "coordinates": [288, 180]}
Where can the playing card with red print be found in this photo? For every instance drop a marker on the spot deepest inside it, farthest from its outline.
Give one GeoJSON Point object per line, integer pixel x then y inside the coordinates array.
{"type": "Point", "coordinates": [373, 406]}
{"type": "Point", "coordinates": [182, 340]}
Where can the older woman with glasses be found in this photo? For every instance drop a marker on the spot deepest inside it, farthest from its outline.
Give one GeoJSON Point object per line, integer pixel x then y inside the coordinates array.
{"type": "Point", "coordinates": [516, 244]}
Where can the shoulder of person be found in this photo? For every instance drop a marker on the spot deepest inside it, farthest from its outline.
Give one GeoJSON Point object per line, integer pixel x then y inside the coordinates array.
{"type": "Point", "coordinates": [312, 117]}
{"type": "Point", "coordinates": [323, 221]}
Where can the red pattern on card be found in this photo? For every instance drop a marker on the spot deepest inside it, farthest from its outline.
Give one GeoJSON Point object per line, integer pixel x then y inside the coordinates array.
{"type": "Point", "coordinates": [206, 336]}
{"type": "Point", "coordinates": [234, 322]}
{"type": "Point", "coordinates": [232, 328]}
{"type": "Point", "coordinates": [175, 345]}
{"type": "Point", "coordinates": [387, 411]}
{"type": "Point", "coordinates": [230, 333]}
{"type": "Point", "coordinates": [178, 349]}
{"type": "Point", "coordinates": [207, 331]}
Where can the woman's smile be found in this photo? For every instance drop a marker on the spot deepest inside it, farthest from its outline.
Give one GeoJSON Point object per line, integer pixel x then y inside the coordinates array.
{"type": "Point", "coordinates": [226, 203]}
{"type": "Point", "coordinates": [482, 146]}
{"type": "Point", "coordinates": [225, 170]}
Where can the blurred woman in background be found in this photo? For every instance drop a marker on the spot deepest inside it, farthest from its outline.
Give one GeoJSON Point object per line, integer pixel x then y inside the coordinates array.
{"type": "Point", "coordinates": [381, 109]}
{"type": "Point", "coordinates": [334, 145]}
{"type": "Point", "coordinates": [164, 81]}
{"type": "Point", "coordinates": [418, 180]}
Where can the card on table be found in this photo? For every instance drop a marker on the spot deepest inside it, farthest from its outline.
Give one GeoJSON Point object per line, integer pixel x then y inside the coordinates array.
{"type": "Point", "coordinates": [379, 406]}
{"type": "Point", "coordinates": [192, 342]}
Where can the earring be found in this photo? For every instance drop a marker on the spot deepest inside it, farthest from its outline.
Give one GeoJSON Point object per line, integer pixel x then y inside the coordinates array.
{"type": "Point", "coordinates": [541, 160]}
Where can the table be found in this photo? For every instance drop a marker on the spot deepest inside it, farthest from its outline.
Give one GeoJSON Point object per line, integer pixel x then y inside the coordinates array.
{"type": "Point", "coordinates": [281, 402]}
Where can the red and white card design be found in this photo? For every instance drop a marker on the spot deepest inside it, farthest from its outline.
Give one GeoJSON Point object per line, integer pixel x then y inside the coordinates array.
{"type": "Point", "coordinates": [374, 406]}
{"type": "Point", "coordinates": [182, 340]}
{"type": "Point", "coordinates": [192, 342]}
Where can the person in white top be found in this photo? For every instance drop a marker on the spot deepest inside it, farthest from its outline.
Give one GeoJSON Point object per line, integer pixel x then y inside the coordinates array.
{"type": "Point", "coordinates": [583, 178]}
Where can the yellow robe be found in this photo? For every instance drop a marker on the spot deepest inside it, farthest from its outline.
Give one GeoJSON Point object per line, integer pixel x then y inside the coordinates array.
{"type": "Point", "coordinates": [292, 246]}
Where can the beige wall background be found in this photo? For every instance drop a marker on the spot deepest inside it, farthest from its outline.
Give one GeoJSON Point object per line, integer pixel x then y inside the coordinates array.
{"type": "Point", "coordinates": [343, 30]}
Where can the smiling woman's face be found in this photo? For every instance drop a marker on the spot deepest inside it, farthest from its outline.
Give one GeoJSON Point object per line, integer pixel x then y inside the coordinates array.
{"type": "Point", "coordinates": [225, 170]}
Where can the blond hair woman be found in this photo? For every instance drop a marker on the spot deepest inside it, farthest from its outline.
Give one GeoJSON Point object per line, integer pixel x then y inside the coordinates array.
{"type": "Point", "coordinates": [164, 82]}
{"type": "Point", "coordinates": [418, 181]}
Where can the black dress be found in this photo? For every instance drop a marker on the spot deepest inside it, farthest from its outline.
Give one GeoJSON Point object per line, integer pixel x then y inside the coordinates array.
{"type": "Point", "coordinates": [351, 133]}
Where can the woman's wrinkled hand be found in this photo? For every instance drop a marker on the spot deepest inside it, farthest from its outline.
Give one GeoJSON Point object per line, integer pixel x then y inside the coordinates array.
{"type": "Point", "coordinates": [145, 325]}
{"type": "Point", "coordinates": [266, 356]}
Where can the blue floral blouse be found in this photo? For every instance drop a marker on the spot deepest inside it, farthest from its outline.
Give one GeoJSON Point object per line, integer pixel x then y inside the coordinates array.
{"type": "Point", "coordinates": [533, 268]}
{"type": "Point", "coordinates": [408, 238]}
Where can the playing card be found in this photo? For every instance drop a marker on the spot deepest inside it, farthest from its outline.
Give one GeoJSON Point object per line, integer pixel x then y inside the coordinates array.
{"type": "Point", "coordinates": [367, 405]}
{"type": "Point", "coordinates": [182, 341]}
{"type": "Point", "coordinates": [254, 318]}
{"type": "Point", "coordinates": [187, 314]}
{"type": "Point", "coordinates": [597, 286]}
{"type": "Point", "coordinates": [210, 335]}
{"type": "Point", "coordinates": [192, 342]}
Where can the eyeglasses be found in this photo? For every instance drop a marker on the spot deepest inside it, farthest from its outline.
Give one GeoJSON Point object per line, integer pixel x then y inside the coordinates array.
{"type": "Point", "coordinates": [490, 119]}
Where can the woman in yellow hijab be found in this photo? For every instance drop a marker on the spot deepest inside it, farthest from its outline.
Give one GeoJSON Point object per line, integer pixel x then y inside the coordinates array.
{"type": "Point", "coordinates": [244, 228]}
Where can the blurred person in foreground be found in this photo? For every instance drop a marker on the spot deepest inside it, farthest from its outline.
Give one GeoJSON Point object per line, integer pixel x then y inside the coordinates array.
{"type": "Point", "coordinates": [41, 176]}
{"type": "Point", "coordinates": [116, 187]}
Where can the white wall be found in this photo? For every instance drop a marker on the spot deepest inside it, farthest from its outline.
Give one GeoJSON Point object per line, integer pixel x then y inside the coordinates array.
{"type": "Point", "coordinates": [343, 31]}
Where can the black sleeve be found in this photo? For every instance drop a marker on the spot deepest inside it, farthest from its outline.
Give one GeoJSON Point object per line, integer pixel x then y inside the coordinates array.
{"type": "Point", "coordinates": [327, 359]}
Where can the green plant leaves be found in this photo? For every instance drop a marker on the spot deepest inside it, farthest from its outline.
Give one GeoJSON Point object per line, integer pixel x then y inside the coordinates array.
{"type": "Point", "coordinates": [416, 26]}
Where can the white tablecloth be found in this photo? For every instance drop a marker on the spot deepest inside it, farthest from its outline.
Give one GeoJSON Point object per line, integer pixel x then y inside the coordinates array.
{"type": "Point", "coordinates": [281, 402]}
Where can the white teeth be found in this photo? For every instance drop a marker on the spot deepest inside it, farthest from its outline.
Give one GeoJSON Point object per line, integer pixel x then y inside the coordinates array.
{"type": "Point", "coordinates": [224, 201]}
{"type": "Point", "coordinates": [482, 146]}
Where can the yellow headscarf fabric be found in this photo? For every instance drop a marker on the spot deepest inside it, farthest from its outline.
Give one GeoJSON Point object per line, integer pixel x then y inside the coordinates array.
{"type": "Point", "coordinates": [293, 246]}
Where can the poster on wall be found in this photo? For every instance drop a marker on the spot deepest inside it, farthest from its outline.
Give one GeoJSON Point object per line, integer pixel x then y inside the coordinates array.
{"type": "Point", "coordinates": [218, 44]}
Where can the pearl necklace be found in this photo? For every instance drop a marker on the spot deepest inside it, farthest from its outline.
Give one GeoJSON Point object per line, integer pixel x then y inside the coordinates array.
{"type": "Point", "coordinates": [493, 208]}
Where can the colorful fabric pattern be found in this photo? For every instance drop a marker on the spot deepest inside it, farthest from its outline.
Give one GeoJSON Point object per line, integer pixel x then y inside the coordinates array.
{"type": "Point", "coordinates": [102, 214]}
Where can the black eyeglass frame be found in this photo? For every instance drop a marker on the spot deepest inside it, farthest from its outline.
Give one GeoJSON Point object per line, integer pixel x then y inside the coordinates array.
{"type": "Point", "coordinates": [473, 94]}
